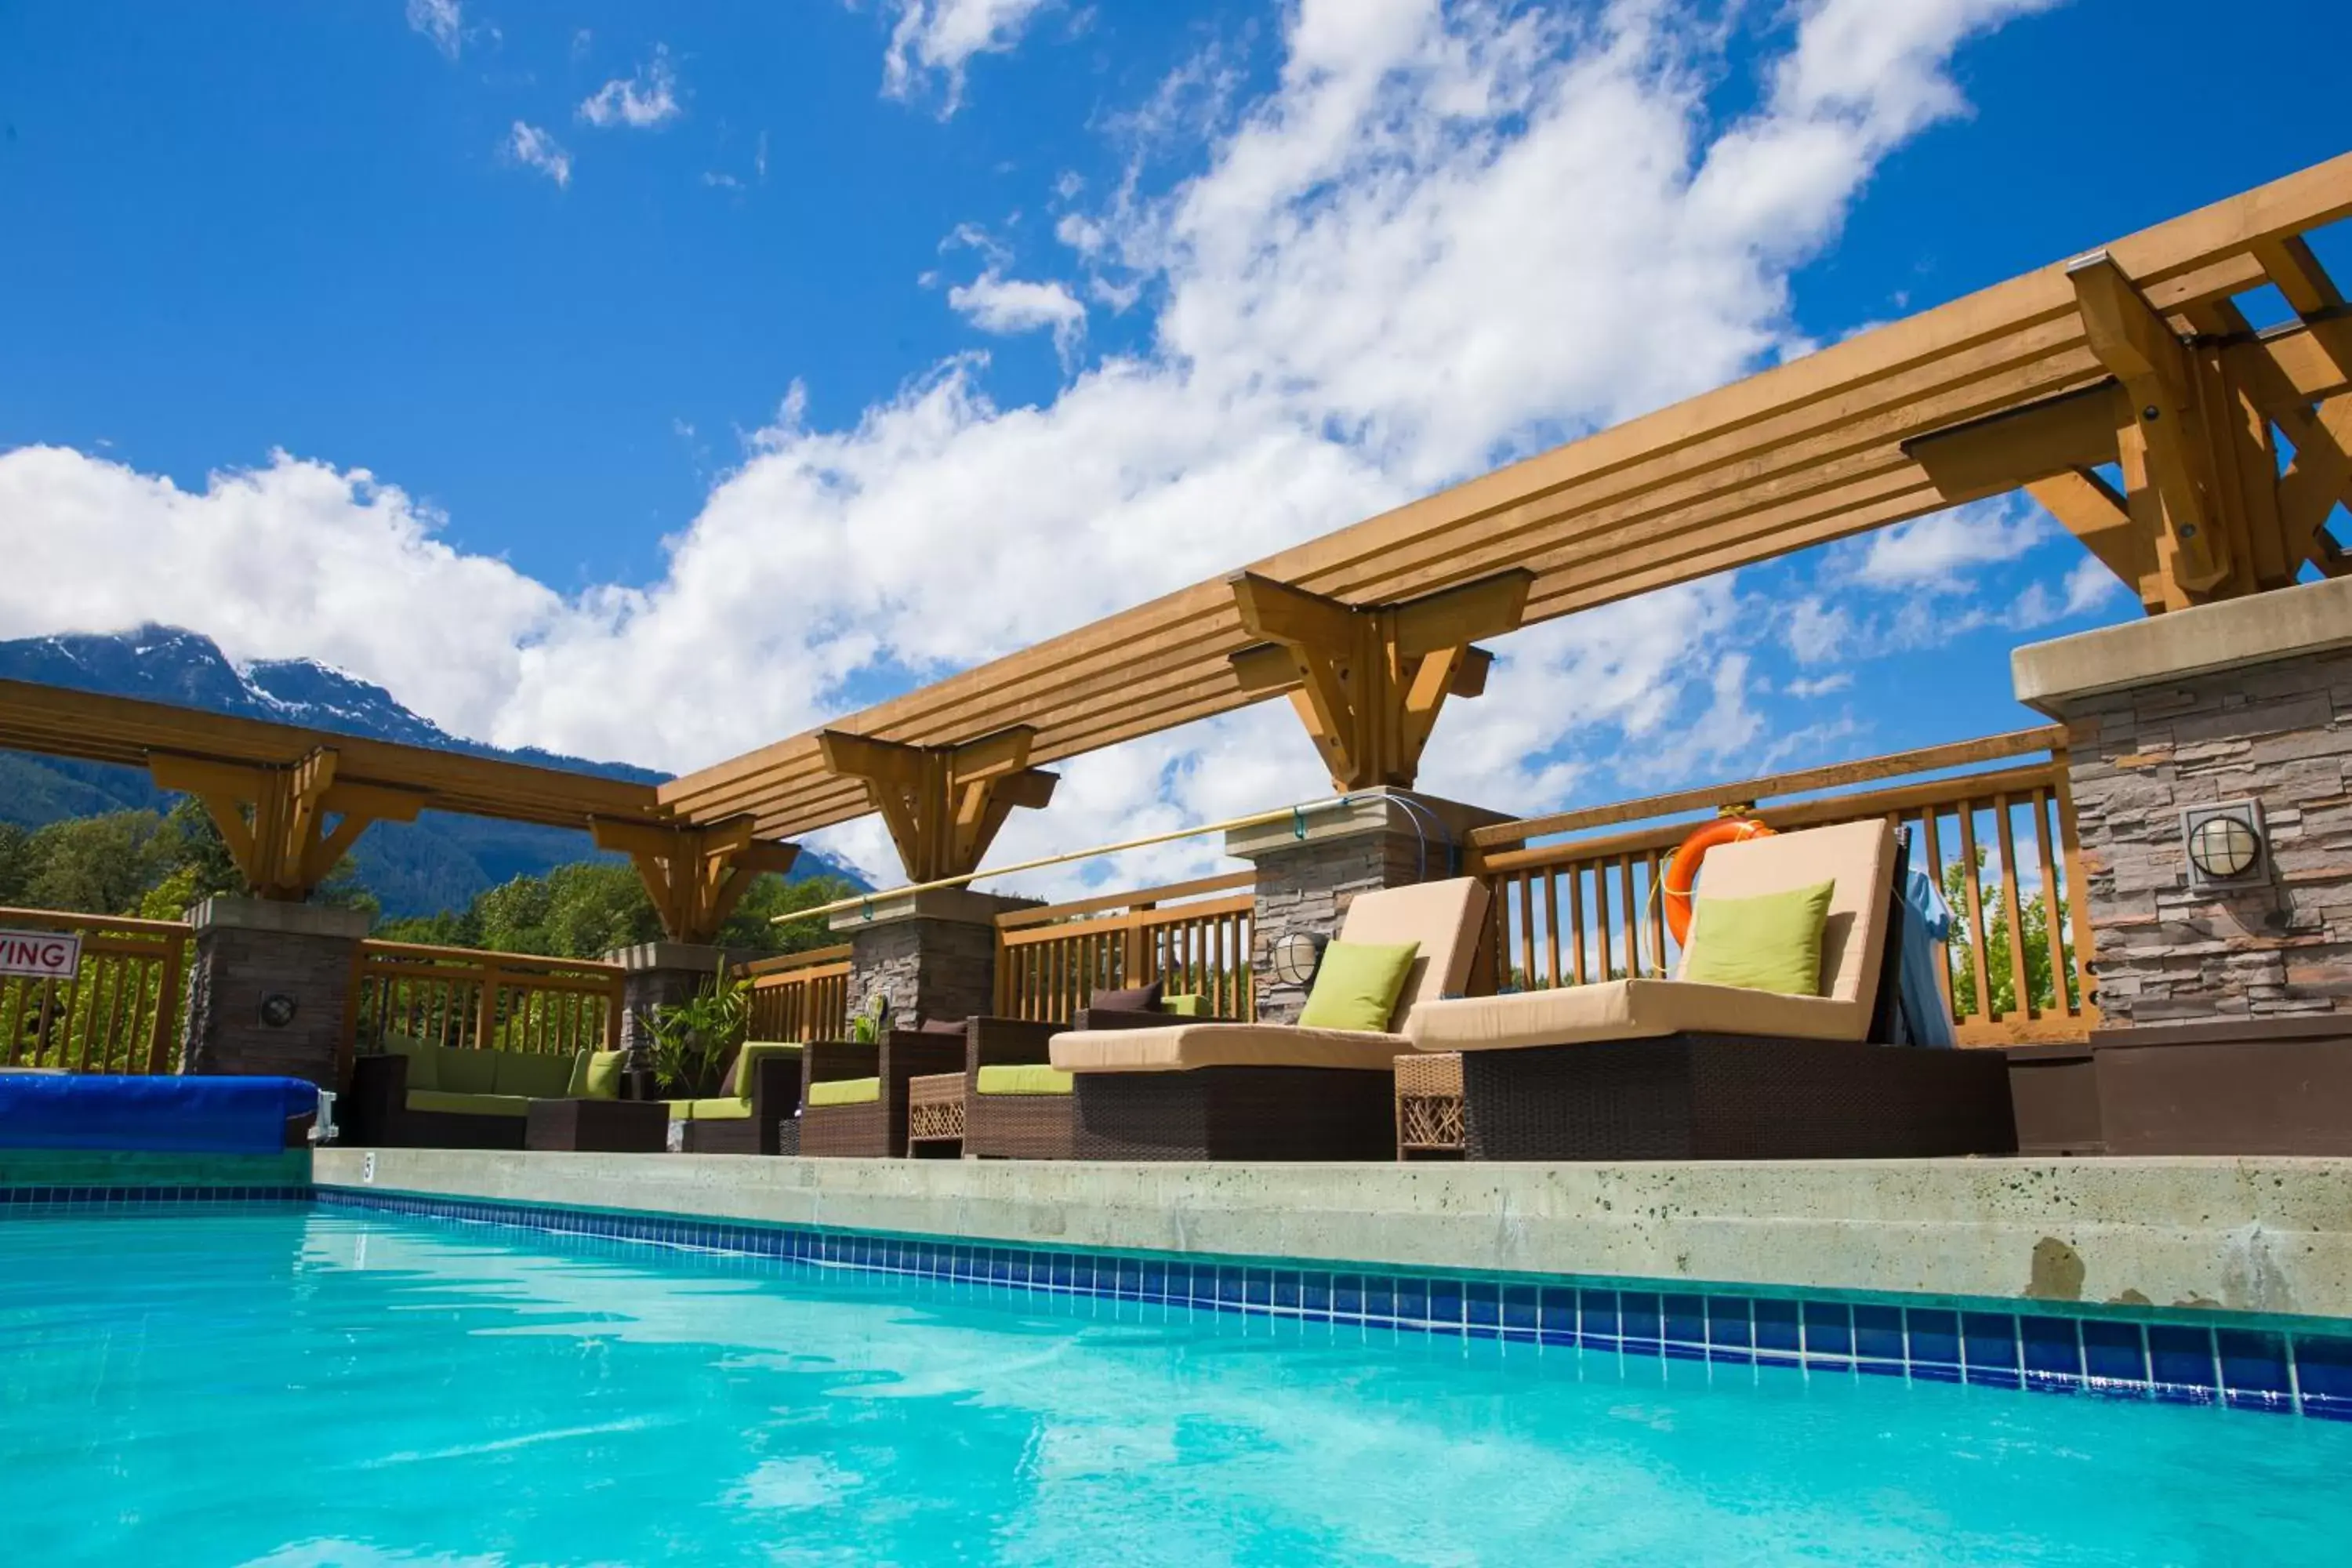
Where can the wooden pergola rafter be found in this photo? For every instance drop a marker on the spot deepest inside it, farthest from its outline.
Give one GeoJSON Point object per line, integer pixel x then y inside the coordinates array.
{"type": "Point", "coordinates": [1882, 427]}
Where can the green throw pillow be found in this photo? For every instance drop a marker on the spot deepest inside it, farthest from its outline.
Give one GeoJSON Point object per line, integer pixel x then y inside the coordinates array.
{"type": "Point", "coordinates": [1358, 986]}
{"type": "Point", "coordinates": [596, 1075]}
{"type": "Point", "coordinates": [1189, 1005]}
{"type": "Point", "coordinates": [1772, 942]}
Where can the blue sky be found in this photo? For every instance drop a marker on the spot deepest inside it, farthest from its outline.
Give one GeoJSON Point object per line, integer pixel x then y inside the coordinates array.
{"type": "Point", "coordinates": [650, 382]}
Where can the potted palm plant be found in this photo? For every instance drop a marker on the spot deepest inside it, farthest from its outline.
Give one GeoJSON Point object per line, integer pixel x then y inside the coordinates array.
{"type": "Point", "coordinates": [695, 1040]}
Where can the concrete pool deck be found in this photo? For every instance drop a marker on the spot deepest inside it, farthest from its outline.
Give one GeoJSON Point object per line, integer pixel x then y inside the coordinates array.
{"type": "Point", "coordinates": [2262, 1235]}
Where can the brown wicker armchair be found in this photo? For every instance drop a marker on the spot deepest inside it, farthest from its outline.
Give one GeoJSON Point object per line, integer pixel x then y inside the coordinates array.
{"type": "Point", "coordinates": [863, 1114]}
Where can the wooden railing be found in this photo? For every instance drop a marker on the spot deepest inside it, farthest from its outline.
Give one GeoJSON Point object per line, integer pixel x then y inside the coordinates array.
{"type": "Point", "coordinates": [121, 1011]}
{"type": "Point", "coordinates": [1051, 960]}
{"type": "Point", "coordinates": [489, 1001]}
{"type": "Point", "coordinates": [2000, 842]}
{"type": "Point", "coordinates": [800, 996]}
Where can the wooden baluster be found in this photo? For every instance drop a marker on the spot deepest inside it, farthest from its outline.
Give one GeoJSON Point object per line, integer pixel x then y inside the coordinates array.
{"type": "Point", "coordinates": [2013, 906]}
{"type": "Point", "coordinates": [1553, 973]}
{"type": "Point", "coordinates": [1574, 872]}
{"type": "Point", "coordinates": [2054, 911]}
{"type": "Point", "coordinates": [1657, 906]}
{"type": "Point", "coordinates": [1974, 910]}
{"type": "Point", "coordinates": [1601, 919]}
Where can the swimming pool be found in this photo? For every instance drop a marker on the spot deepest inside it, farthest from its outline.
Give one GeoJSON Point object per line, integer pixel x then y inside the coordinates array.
{"type": "Point", "coordinates": [296, 1385]}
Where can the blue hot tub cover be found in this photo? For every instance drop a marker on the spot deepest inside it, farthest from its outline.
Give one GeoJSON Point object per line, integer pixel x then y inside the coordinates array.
{"type": "Point", "coordinates": [178, 1115]}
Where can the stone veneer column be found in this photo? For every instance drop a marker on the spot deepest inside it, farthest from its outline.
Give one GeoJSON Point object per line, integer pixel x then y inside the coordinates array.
{"type": "Point", "coordinates": [932, 953]}
{"type": "Point", "coordinates": [1311, 867]}
{"type": "Point", "coordinates": [659, 973]}
{"type": "Point", "coordinates": [2246, 699]}
{"type": "Point", "coordinates": [271, 991]}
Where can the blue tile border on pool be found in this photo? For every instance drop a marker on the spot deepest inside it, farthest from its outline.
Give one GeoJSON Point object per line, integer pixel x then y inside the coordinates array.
{"type": "Point", "coordinates": [2109, 1357]}
{"type": "Point", "coordinates": [40, 1196]}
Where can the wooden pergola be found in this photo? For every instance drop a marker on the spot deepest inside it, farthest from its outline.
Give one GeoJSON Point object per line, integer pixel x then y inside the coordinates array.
{"type": "Point", "coordinates": [289, 802]}
{"type": "Point", "coordinates": [2133, 358]}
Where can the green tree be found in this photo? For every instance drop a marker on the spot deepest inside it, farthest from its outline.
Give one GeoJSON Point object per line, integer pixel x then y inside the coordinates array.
{"type": "Point", "coordinates": [16, 862]}
{"type": "Point", "coordinates": [100, 865]}
{"type": "Point", "coordinates": [2000, 972]}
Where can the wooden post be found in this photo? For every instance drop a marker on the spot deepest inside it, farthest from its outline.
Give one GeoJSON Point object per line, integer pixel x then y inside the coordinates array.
{"type": "Point", "coordinates": [943, 805]}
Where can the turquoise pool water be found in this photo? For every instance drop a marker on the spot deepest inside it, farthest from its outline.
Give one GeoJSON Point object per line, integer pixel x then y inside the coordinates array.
{"type": "Point", "coordinates": [299, 1387]}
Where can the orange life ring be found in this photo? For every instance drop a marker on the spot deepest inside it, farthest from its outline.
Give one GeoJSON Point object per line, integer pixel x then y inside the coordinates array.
{"type": "Point", "coordinates": [1682, 871]}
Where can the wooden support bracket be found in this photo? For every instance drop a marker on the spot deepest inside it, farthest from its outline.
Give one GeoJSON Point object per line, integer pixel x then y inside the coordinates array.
{"type": "Point", "coordinates": [1369, 680]}
{"type": "Point", "coordinates": [943, 805]}
{"type": "Point", "coordinates": [695, 875]}
{"type": "Point", "coordinates": [286, 827]}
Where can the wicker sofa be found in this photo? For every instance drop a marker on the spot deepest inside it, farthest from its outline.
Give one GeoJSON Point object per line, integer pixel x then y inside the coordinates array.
{"type": "Point", "coordinates": [1270, 1091]}
{"type": "Point", "coordinates": [411, 1095]}
{"type": "Point", "coordinates": [1665, 1069]}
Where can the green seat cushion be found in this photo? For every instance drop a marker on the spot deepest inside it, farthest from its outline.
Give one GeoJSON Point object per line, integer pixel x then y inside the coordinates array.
{"type": "Point", "coordinates": [468, 1104]}
{"type": "Point", "coordinates": [538, 1075]}
{"type": "Point", "coordinates": [462, 1071]}
{"type": "Point", "coordinates": [1191, 1006]}
{"type": "Point", "coordinates": [753, 1052]}
{"type": "Point", "coordinates": [1358, 986]}
{"type": "Point", "coordinates": [1770, 943]}
{"type": "Point", "coordinates": [596, 1075]}
{"type": "Point", "coordinates": [422, 1061]}
{"type": "Point", "coordinates": [1029, 1077]}
{"type": "Point", "coordinates": [680, 1109]}
{"type": "Point", "coordinates": [724, 1108]}
{"type": "Point", "coordinates": [846, 1092]}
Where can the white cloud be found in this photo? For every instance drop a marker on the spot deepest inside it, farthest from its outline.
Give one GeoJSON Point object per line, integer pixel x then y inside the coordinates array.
{"type": "Point", "coordinates": [1003, 305]}
{"type": "Point", "coordinates": [1442, 237]}
{"type": "Point", "coordinates": [2090, 585]}
{"type": "Point", "coordinates": [1821, 686]}
{"type": "Point", "coordinates": [441, 21]}
{"type": "Point", "coordinates": [1935, 552]}
{"type": "Point", "coordinates": [1818, 632]}
{"type": "Point", "coordinates": [939, 38]}
{"type": "Point", "coordinates": [640, 102]}
{"type": "Point", "coordinates": [535, 149]}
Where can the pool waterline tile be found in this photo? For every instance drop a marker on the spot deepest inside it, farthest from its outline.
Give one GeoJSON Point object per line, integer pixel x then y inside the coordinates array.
{"type": "Point", "coordinates": [1726, 1332]}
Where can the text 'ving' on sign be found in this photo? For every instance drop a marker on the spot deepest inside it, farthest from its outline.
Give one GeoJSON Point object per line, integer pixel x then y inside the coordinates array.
{"type": "Point", "coordinates": [40, 954]}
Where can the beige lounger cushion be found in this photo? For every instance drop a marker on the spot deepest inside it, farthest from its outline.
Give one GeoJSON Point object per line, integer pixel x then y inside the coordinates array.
{"type": "Point", "coordinates": [1859, 858]}
{"type": "Point", "coordinates": [1629, 1010]}
{"type": "Point", "coordinates": [1183, 1046]}
{"type": "Point", "coordinates": [1443, 917]}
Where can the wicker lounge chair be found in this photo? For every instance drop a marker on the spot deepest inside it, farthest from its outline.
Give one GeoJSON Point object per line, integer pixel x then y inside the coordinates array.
{"type": "Point", "coordinates": [853, 1093]}
{"type": "Point", "coordinates": [1664, 1069]}
{"type": "Point", "coordinates": [1269, 1091]}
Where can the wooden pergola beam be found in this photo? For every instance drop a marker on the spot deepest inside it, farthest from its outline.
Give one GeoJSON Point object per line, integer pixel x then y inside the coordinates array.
{"type": "Point", "coordinates": [286, 827]}
{"type": "Point", "coordinates": [1369, 682]}
{"type": "Point", "coordinates": [1799, 455]}
{"type": "Point", "coordinates": [695, 875]}
{"type": "Point", "coordinates": [943, 805]}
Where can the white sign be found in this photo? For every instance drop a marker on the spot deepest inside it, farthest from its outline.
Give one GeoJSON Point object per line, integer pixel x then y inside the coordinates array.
{"type": "Point", "coordinates": [42, 954]}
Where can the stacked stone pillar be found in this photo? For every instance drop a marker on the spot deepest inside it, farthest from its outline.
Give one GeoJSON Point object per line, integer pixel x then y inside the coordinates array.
{"type": "Point", "coordinates": [932, 953]}
{"type": "Point", "coordinates": [2247, 700]}
{"type": "Point", "coordinates": [1312, 865]}
{"type": "Point", "coordinates": [659, 973]}
{"type": "Point", "coordinates": [272, 989]}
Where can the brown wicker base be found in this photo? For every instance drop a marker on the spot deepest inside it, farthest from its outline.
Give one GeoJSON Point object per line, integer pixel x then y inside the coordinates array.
{"type": "Point", "coordinates": [1021, 1127]}
{"type": "Point", "coordinates": [850, 1132]}
{"type": "Point", "coordinates": [1730, 1096]}
{"type": "Point", "coordinates": [935, 1116]}
{"type": "Point", "coordinates": [1236, 1113]}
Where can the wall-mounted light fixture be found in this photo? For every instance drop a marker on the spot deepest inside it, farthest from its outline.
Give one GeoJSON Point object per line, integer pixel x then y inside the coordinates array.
{"type": "Point", "coordinates": [2226, 844]}
{"type": "Point", "coordinates": [1295, 955]}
